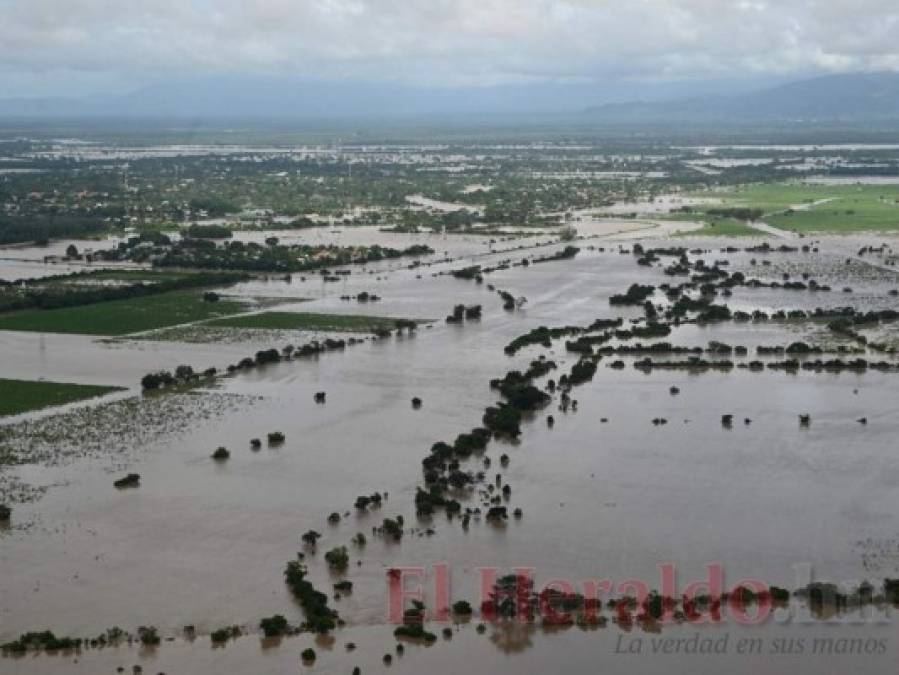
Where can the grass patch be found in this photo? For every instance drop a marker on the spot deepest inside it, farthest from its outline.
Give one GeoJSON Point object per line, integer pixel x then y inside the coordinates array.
{"type": "Point", "coordinates": [20, 396]}
{"type": "Point", "coordinates": [85, 280]}
{"type": "Point", "coordinates": [796, 207]}
{"type": "Point", "coordinates": [852, 214]}
{"type": "Point", "coordinates": [308, 321]}
{"type": "Point", "coordinates": [722, 227]}
{"type": "Point", "coordinates": [120, 317]}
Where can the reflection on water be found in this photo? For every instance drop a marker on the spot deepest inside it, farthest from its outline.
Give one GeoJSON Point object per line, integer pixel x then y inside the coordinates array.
{"type": "Point", "coordinates": [512, 637]}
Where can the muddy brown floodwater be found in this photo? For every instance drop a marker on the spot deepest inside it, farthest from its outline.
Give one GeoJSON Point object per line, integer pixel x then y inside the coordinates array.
{"type": "Point", "coordinates": [205, 544]}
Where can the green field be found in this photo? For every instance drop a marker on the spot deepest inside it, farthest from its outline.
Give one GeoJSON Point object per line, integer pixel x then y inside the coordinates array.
{"type": "Point", "coordinates": [723, 227]}
{"type": "Point", "coordinates": [307, 321]}
{"type": "Point", "coordinates": [815, 208]}
{"type": "Point", "coordinates": [120, 317]}
{"type": "Point", "coordinates": [19, 396]}
{"type": "Point", "coordinates": [147, 276]}
{"type": "Point", "coordinates": [87, 280]}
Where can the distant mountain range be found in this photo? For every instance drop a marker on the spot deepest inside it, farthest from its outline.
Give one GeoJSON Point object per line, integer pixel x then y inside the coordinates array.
{"type": "Point", "coordinates": [852, 97]}
{"type": "Point", "coordinates": [288, 98]}
{"type": "Point", "coordinates": [832, 98]}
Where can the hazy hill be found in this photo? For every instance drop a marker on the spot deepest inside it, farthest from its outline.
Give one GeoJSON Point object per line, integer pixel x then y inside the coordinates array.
{"type": "Point", "coordinates": [851, 97]}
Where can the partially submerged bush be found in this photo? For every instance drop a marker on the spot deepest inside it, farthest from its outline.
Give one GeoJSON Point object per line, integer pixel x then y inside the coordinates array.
{"type": "Point", "coordinates": [503, 419]}
{"type": "Point", "coordinates": [414, 631]}
{"type": "Point", "coordinates": [319, 617]}
{"type": "Point", "coordinates": [152, 381]}
{"type": "Point", "coordinates": [338, 558]}
{"type": "Point", "coordinates": [364, 501]}
{"type": "Point", "coordinates": [497, 514]}
{"type": "Point", "coordinates": [273, 626]}
{"type": "Point", "coordinates": [40, 641]}
{"type": "Point", "coordinates": [221, 454]}
{"type": "Point", "coordinates": [310, 537]}
{"type": "Point", "coordinates": [132, 480]}
{"type": "Point", "coordinates": [148, 636]}
{"type": "Point", "coordinates": [222, 635]}
{"type": "Point", "coordinates": [393, 527]}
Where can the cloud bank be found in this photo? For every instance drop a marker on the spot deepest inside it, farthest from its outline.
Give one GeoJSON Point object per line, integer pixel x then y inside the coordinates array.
{"type": "Point", "coordinates": [92, 44]}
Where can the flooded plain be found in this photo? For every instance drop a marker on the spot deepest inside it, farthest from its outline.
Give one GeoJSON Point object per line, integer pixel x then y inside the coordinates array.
{"type": "Point", "coordinates": [605, 492]}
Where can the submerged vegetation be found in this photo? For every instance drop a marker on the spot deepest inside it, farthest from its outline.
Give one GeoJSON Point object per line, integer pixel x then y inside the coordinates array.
{"type": "Point", "coordinates": [681, 308]}
{"type": "Point", "coordinates": [205, 254]}
{"type": "Point", "coordinates": [40, 641]}
{"type": "Point", "coordinates": [319, 617]}
{"type": "Point", "coordinates": [132, 480]}
{"type": "Point", "coordinates": [314, 322]}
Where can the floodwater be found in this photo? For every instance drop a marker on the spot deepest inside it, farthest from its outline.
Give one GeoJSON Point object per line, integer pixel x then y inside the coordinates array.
{"type": "Point", "coordinates": [506, 648]}
{"type": "Point", "coordinates": [658, 205]}
{"type": "Point", "coordinates": [26, 261]}
{"type": "Point", "coordinates": [446, 207]}
{"type": "Point", "coordinates": [205, 544]}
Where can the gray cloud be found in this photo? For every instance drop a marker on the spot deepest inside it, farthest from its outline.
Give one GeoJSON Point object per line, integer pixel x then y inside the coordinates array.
{"type": "Point", "coordinates": [96, 43]}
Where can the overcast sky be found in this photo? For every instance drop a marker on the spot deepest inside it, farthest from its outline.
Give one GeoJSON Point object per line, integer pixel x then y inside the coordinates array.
{"type": "Point", "coordinates": [68, 46]}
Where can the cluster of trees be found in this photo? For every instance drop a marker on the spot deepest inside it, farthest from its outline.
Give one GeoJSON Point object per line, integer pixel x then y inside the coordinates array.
{"type": "Point", "coordinates": [187, 375]}
{"type": "Point", "coordinates": [208, 232]}
{"type": "Point", "coordinates": [182, 375]}
{"type": "Point", "coordinates": [468, 273]}
{"type": "Point", "coordinates": [636, 294]}
{"type": "Point", "coordinates": [214, 207]}
{"type": "Point", "coordinates": [517, 389]}
{"type": "Point", "coordinates": [338, 558]}
{"type": "Point", "coordinates": [41, 228]}
{"type": "Point", "coordinates": [540, 336]}
{"type": "Point", "coordinates": [252, 257]}
{"type": "Point", "coordinates": [428, 501]}
{"type": "Point", "coordinates": [509, 301]}
{"type": "Point", "coordinates": [57, 295]}
{"type": "Point", "coordinates": [273, 626]}
{"type": "Point", "coordinates": [319, 617]}
{"type": "Point", "coordinates": [414, 631]}
{"type": "Point", "coordinates": [222, 635]}
{"type": "Point", "coordinates": [40, 641]}
{"type": "Point", "coordinates": [582, 371]}
{"type": "Point", "coordinates": [737, 213]}
{"type": "Point", "coordinates": [698, 364]}
{"type": "Point", "coordinates": [461, 312]}
{"type": "Point", "coordinates": [364, 501]}
{"type": "Point", "coordinates": [392, 527]}
{"type": "Point", "coordinates": [132, 480]}
{"type": "Point", "coordinates": [565, 254]}
{"type": "Point", "coordinates": [441, 466]}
